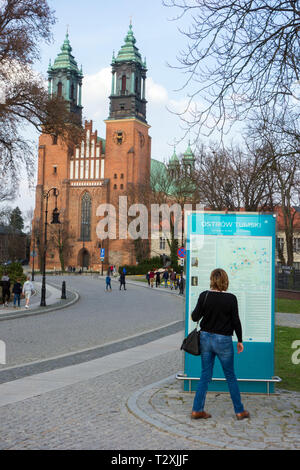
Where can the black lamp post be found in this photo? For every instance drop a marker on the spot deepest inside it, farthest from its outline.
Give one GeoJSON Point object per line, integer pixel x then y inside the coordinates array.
{"type": "Point", "coordinates": [33, 256]}
{"type": "Point", "coordinates": [55, 220]}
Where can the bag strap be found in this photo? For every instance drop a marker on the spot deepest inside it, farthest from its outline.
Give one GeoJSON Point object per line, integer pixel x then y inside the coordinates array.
{"type": "Point", "coordinates": [205, 299]}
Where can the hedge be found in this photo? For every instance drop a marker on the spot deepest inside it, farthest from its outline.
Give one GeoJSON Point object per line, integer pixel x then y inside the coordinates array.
{"type": "Point", "coordinates": [14, 271]}
{"type": "Point", "coordinates": [143, 267]}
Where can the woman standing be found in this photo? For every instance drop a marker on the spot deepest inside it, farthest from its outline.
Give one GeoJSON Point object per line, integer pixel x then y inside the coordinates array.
{"type": "Point", "coordinates": [220, 318]}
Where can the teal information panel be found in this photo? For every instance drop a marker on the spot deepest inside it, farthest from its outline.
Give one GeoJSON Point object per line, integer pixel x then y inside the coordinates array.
{"type": "Point", "coordinates": [243, 244]}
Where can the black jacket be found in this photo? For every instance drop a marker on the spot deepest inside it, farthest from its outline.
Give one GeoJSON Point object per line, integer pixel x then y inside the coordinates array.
{"type": "Point", "coordinates": [219, 314]}
{"type": "Point", "coordinates": [17, 289]}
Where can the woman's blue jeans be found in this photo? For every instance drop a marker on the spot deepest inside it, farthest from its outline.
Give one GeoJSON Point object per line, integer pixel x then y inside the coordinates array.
{"type": "Point", "coordinates": [213, 345]}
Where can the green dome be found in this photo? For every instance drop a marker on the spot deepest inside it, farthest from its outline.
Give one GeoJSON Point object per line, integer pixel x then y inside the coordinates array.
{"type": "Point", "coordinates": [188, 154]}
{"type": "Point", "coordinates": [129, 52]}
{"type": "Point", "coordinates": [65, 60]}
{"type": "Point", "coordinates": [174, 160]}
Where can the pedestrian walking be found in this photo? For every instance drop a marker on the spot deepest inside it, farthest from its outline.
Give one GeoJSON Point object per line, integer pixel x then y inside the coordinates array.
{"type": "Point", "coordinates": [220, 318]}
{"type": "Point", "coordinates": [166, 277]}
{"type": "Point", "coordinates": [122, 281]}
{"type": "Point", "coordinates": [27, 291]}
{"type": "Point", "coordinates": [5, 282]}
{"type": "Point", "coordinates": [108, 283]}
{"type": "Point", "coordinates": [17, 291]}
{"type": "Point", "coordinates": [151, 277]}
{"type": "Point", "coordinates": [173, 279]}
{"type": "Point", "coordinates": [148, 278]}
{"type": "Point", "coordinates": [157, 280]}
{"type": "Point", "coordinates": [181, 284]}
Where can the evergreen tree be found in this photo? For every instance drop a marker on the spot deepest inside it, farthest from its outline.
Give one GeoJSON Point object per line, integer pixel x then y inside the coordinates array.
{"type": "Point", "coordinates": [16, 219]}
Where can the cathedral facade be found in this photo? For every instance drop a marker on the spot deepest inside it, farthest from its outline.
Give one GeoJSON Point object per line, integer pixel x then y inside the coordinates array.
{"type": "Point", "coordinates": [98, 170]}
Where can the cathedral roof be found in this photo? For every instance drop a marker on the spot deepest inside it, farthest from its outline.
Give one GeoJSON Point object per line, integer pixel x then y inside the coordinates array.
{"type": "Point", "coordinates": [65, 60]}
{"type": "Point", "coordinates": [188, 154]}
{"type": "Point", "coordinates": [174, 160]}
{"type": "Point", "coordinates": [129, 52]}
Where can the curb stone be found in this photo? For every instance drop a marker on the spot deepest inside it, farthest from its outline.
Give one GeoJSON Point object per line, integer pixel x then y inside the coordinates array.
{"type": "Point", "coordinates": [41, 310]}
{"type": "Point", "coordinates": [165, 407]}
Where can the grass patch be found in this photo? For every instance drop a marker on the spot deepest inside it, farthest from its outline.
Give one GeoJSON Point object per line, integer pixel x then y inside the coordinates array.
{"type": "Point", "coordinates": [287, 305]}
{"type": "Point", "coordinates": [284, 368]}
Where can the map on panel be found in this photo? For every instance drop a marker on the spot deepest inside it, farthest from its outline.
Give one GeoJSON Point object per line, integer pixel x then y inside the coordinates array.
{"type": "Point", "coordinates": [247, 261]}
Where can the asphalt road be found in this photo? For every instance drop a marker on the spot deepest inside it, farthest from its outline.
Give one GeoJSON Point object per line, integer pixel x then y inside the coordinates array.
{"type": "Point", "coordinates": [98, 318]}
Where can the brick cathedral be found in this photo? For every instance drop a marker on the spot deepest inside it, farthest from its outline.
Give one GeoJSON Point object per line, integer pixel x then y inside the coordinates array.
{"type": "Point", "coordinates": [98, 170]}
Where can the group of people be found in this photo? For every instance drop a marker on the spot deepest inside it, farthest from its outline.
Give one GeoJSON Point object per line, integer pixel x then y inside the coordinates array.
{"type": "Point", "coordinates": [113, 272]}
{"type": "Point", "coordinates": [176, 280]}
{"type": "Point", "coordinates": [18, 290]}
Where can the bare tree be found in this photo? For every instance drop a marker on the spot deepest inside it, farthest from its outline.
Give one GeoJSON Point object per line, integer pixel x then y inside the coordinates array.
{"type": "Point", "coordinates": [23, 97]}
{"type": "Point", "coordinates": [234, 179]}
{"type": "Point", "coordinates": [279, 142]}
{"type": "Point", "coordinates": [60, 239]}
{"type": "Point", "coordinates": [241, 55]}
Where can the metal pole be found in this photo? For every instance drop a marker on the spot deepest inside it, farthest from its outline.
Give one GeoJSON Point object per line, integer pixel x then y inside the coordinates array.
{"type": "Point", "coordinates": [43, 293]}
{"type": "Point", "coordinates": [33, 256]}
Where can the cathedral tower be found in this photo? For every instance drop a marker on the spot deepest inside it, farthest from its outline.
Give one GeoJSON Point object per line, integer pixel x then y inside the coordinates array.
{"type": "Point", "coordinates": [65, 79]}
{"type": "Point", "coordinates": [128, 145]}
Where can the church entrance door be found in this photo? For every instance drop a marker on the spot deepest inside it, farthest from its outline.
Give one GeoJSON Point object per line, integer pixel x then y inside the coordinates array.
{"type": "Point", "coordinates": [84, 258]}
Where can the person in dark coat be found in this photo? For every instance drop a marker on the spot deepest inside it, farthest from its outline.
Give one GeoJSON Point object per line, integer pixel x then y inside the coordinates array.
{"type": "Point", "coordinates": [17, 291]}
{"type": "Point", "coordinates": [122, 281]}
{"type": "Point", "coordinates": [5, 282]}
{"type": "Point", "coordinates": [157, 283]}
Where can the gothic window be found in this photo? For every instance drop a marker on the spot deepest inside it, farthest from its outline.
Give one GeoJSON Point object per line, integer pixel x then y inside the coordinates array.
{"type": "Point", "coordinates": [86, 206]}
{"type": "Point", "coordinates": [59, 89]}
{"type": "Point", "coordinates": [123, 84]}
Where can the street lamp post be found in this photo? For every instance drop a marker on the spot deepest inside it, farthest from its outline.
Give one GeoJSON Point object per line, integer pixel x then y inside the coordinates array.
{"type": "Point", "coordinates": [33, 256]}
{"type": "Point", "coordinates": [55, 220]}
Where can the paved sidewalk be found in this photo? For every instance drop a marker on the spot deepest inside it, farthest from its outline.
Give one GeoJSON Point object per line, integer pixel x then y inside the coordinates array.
{"type": "Point", "coordinates": [53, 302]}
{"type": "Point", "coordinates": [124, 401]}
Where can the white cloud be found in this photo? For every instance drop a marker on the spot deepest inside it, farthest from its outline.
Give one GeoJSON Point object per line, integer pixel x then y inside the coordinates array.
{"type": "Point", "coordinates": [164, 125]}
{"type": "Point", "coordinates": [156, 93]}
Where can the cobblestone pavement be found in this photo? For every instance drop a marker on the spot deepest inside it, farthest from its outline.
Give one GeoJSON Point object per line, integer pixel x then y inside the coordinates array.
{"type": "Point", "coordinates": [130, 400]}
{"type": "Point", "coordinates": [137, 408]}
{"type": "Point", "coordinates": [274, 420]}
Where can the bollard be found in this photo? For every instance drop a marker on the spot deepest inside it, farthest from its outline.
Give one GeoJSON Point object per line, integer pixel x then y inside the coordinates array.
{"type": "Point", "coordinates": [63, 290]}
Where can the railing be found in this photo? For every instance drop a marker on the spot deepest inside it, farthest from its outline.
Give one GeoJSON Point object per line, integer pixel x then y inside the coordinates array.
{"type": "Point", "coordinates": [275, 379]}
{"type": "Point", "coordinates": [288, 280]}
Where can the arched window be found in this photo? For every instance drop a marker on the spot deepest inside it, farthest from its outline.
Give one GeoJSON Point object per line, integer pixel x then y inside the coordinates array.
{"type": "Point", "coordinates": [59, 89]}
{"type": "Point", "coordinates": [123, 84]}
{"type": "Point", "coordinates": [136, 89]}
{"type": "Point", "coordinates": [86, 206]}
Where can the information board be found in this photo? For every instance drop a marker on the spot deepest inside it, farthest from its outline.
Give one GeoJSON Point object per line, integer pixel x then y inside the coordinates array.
{"type": "Point", "coordinates": [243, 244]}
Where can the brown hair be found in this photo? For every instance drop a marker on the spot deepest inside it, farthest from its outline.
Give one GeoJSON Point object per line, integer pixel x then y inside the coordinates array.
{"type": "Point", "coordinates": [219, 280]}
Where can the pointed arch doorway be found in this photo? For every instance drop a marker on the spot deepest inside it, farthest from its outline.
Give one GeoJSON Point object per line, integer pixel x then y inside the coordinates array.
{"type": "Point", "coordinates": [84, 258]}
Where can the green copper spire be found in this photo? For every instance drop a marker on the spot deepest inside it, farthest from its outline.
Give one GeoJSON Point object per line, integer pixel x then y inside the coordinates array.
{"type": "Point", "coordinates": [65, 60]}
{"type": "Point", "coordinates": [188, 154]}
{"type": "Point", "coordinates": [174, 160]}
{"type": "Point", "coordinates": [129, 52]}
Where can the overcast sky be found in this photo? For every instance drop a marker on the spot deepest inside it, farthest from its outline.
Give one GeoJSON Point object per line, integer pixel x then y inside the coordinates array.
{"type": "Point", "coordinates": [96, 29]}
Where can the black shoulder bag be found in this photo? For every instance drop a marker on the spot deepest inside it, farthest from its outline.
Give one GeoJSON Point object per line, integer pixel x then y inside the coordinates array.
{"type": "Point", "coordinates": [191, 344]}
